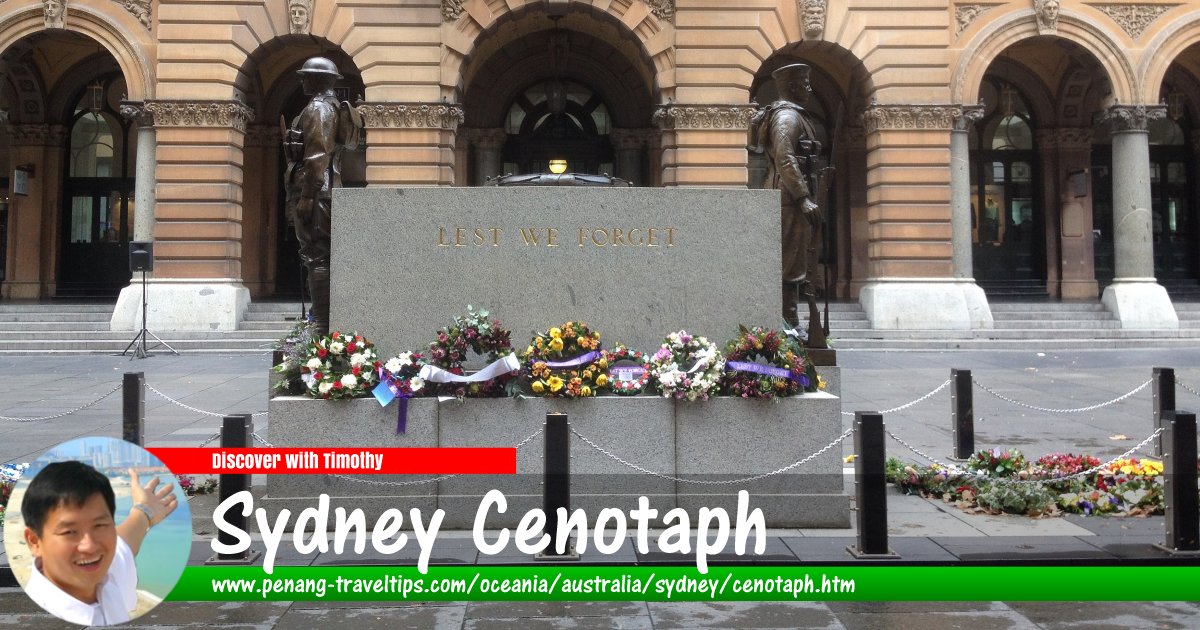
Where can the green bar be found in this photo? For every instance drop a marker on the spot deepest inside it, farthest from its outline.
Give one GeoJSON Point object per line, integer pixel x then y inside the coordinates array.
{"type": "Point", "coordinates": [637, 583]}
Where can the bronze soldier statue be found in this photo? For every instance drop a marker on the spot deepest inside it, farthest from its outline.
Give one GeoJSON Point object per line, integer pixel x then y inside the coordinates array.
{"type": "Point", "coordinates": [313, 146]}
{"type": "Point", "coordinates": [783, 131]}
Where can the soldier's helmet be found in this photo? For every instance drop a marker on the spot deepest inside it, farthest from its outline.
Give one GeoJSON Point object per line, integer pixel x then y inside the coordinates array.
{"type": "Point", "coordinates": [795, 73]}
{"type": "Point", "coordinates": [319, 65]}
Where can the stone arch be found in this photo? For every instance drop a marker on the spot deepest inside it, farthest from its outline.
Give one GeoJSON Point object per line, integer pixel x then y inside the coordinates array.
{"type": "Point", "coordinates": [113, 30]}
{"type": "Point", "coordinates": [987, 44]}
{"type": "Point", "coordinates": [28, 104]}
{"type": "Point", "coordinates": [1162, 51]}
{"type": "Point", "coordinates": [635, 25]}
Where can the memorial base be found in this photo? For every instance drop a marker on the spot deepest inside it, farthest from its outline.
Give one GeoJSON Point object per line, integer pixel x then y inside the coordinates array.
{"type": "Point", "coordinates": [915, 304]}
{"type": "Point", "coordinates": [717, 441]}
{"type": "Point", "coordinates": [1140, 304]}
{"type": "Point", "coordinates": [182, 305]}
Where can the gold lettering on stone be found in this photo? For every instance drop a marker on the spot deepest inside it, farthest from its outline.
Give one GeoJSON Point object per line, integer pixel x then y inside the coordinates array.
{"type": "Point", "coordinates": [551, 237]}
{"type": "Point", "coordinates": [468, 237]}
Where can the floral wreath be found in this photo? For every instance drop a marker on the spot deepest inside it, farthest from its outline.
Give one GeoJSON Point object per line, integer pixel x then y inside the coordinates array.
{"type": "Point", "coordinates": [634, 384]}
{"type": "Point", "coordinates": [687, 367]}
{"type": "Point", "coordinates": [566, 362]}
{"type": "Point", "coordinates": [478, 334]}
{"type": "Point", "coordinates": [401, 373]}
{"type": "Point", "coordinates": [339, 366]}
{"type": "Point", "coordinates": [785, 373]}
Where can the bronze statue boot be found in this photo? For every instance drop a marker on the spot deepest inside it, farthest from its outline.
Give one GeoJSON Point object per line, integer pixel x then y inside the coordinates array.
{"type": "Point", "coordinates": [791, 297]}
{"type": "Point", "coordinates": [816, 331]}
{"type": "Point", "coordinates": [318, 288]}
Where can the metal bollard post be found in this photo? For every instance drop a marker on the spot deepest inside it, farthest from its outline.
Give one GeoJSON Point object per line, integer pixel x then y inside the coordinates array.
{"type": "Point", "coordinates": [133, 408]}
{"type": "Point", "coordinates": [556, 486]}
{"type": "Point", "coordinates": [962, 410]}
{"type": "Point", "coordinates": [235, 433]}
{"type": "Point", "coordinates": [871, 485]}
{"type": "Point", "coordinates": [1164, 400]}
{"type": "Point", "coordinates": [1179, 490]}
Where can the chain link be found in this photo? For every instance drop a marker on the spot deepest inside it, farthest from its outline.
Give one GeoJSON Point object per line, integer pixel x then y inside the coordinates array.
{"type": "Point", "coordinates": [903, 407]}
{"type": "Point", "coordinates": [378, 482]}
{"type": "Point", "coordinates": [1075, 410]}
{"type": "Point", "coordinates": [65, 413]}
{"type": "Point", "coordinates": [708, 482]}
{"type": "Point", "coordinates": [210, 440]}
{"type": "Point", "coordinates": [962, 472]}
{"type": "Point", "coordinates": [1185, 387]}
{"type": "Point", "coordinates": [212, 414]}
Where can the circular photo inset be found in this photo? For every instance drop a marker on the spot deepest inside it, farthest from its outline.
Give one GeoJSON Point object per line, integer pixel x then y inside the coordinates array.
{"type": "Point", "coordinates": [97, 531]}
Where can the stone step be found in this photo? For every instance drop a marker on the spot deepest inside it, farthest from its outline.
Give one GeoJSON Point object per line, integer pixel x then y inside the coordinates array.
{"type": "Point", "coordinates": [271, 316]}
{"type": "Point", "coordinates": [1045, 306]}
{"type": "Point", "coordinates": [274, 307]}
{"type": "Point", "coordinates": [1098, 334]}
{"type": "Point", "coordinates": [835, 325]}
{"type": "Point", "coordinates": [106, 346]}
{"type": "Point", "coordinates": [1053, 316]}
{"type": "Point", "coordinates": [1038, 345]}
{"type": "Point", "coordinates": [40, 326]}
{"type": "Point", "coordinates": [113, 335]}
{"type": "Point", "coordinates": [55, 307]}
{"type": "Point", "coordinates": [281, 327]}
{"type": "Point", "coordinates": [1056, 324]}
{"type": "Point", "coordinates": [55, 316]}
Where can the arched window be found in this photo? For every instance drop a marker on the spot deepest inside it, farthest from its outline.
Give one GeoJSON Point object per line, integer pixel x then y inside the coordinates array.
{"type": "Point", "coordinates": [561, 120]}
{"type": "Point", "coordinates": [92, 148]}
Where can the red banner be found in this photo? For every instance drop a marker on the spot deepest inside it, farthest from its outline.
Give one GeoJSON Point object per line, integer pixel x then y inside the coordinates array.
{"type": "Point", "coordinates": [343, 460]}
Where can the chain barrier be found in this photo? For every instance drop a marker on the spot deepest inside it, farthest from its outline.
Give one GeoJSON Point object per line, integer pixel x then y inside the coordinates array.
{"type": "Point", "coordinates": [65, 413]}
{"type": "Point", "coordinates": [377, 482]}
{"type": "Point", "coordinates": [903, 407]}
{"type": "Point", "coordinates": [210, 440]}
{"type": "Point", "coordinates": [708, 482]}
{"type": "Point", "coordinates": [192, 409]}
{"type": "Point", "coordinates": [1186, 388]}
{"type": "Point", "coordinates": [1074, 410]}
{"type": "Point", "coordinates": [962, 472]}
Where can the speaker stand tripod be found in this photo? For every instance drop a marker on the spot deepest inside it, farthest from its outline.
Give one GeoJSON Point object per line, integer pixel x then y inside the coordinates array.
{"type": "Point", "coordinates": [138, 344]}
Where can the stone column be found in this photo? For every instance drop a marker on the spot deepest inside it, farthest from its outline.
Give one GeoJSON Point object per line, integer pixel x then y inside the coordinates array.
{"type": "Point", "coordinates": [1134, 296]}
{"type": "Point", "coordinates": [629, 147]}
{"type": "Point", "coordinates": [911, 228]}
{"type": "Point", "coordinates": [260, 208]}
{"type": "Point", "coordinates": [1070, 201]}
{"type": "Point", "coordinates": [197, 220]}
{"type": "Point", "coordinates": [487, 145]}
{"type": "Point", "coordinates": [853, 180]}
{"type": "Point", "coordinates": [143, 190]}
{"type": "Point", "coordinates": [960, 190]}
{"type": "Point", "coordinates": [410, 143]}
{"type": "Point", "coordinates": [32, 256]}
{"type": "Point", "coordinates": [462, 153]}
{"type": "Point", "coordinates": [707, 145]}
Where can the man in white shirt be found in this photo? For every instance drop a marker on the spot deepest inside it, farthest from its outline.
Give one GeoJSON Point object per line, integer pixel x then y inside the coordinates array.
{"type": "Point", "coordinates": [83, 569]}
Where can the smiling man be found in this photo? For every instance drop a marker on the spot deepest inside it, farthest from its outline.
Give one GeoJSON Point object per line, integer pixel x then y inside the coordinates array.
{"type": "Point", "coordinates": [83, 569]}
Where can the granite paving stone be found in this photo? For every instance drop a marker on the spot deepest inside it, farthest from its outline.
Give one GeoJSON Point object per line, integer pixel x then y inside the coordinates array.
{"type": "Point", "coordinates": [1021, 547]}
{"type": "Point", "coordinates": [386, 618]}
{"type": "Point", "coordinates": [508, 610]}
{"type": "Point", "coordinates": [668, 615]}
{"type": "Point", "coordinates": [561, 623]}
{"type": "Point", "coordinates": [965, 620]}
{"type": "Point", "coordinates": [1109, 615]}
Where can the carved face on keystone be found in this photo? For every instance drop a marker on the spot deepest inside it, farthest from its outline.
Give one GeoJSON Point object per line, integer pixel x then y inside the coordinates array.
{"type": "Point", "coordinates": [814, 17]}
{"type": "Point", "coordinates": [54, 10]}
{"type": "Point", "coordinates": [298, 14]}
{"type": "Point", "coordinates": [1049, 13]}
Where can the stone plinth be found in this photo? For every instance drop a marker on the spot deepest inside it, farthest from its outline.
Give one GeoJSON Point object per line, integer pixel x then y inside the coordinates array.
{"type": "Point", "coordinates": [719, 440]}
{"type": "Point", "coordinates": [633, 263]}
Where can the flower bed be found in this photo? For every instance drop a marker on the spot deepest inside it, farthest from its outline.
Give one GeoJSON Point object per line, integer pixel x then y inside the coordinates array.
{"type": "Point", "coordinates": [1002, 481]}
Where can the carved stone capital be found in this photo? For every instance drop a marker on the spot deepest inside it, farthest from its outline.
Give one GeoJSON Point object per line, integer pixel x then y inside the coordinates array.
{"type": "Point", "coordinates": [452, 9]}
{"type": "Point", "coordinates": [487, 139]}
{"type": "Point", "coordinates": [812, 18]}
{"type": "Point", "coordinates": [54, 13]}
{"type": "Point", "coordinates": [966, 116]}
{"type": "Point", "coordinates": [1133, 18]}
{"type": "Point", "coordinates": [879, 117]}
{"type": "Point", "coordinates": [631, 139]}
{"type": "Point", "coordinates": [135, 111]}
{"type": "Point", "coordinates": [1133, 117]}
{"type": "Point", "coordinates": [966, 14]}
{"type": "Point", "coordinates": [233, 114]}
{"type": "Point", "coordinates": [662, 9]}
{"type": "Point", "coordinates": [263, 136]}
{"type": "Point", "coordinates": [37, 135]}
{"type": "Point", "coordinates": [139, 9]}
{"type": "Point", "coordinates": [1066, 138]}
{"type": "Point", "coordinates": [1046, 14]}
{"type": "Point", "coordinates": [412, 115]}
{"type": "Point", "coordinates": [675, 116]}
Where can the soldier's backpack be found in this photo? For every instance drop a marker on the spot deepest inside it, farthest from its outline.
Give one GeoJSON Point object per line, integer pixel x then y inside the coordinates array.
{"type": "Point", "coordinates": [349, 126]}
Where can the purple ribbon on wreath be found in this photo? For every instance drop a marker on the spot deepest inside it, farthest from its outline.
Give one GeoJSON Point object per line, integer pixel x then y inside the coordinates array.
{"type": "Point", "coordinates": [576, 362]}
{"type": "Point", "coordinates": [766, 370]}
{"type": "Point", "coordinates": [388, 390]}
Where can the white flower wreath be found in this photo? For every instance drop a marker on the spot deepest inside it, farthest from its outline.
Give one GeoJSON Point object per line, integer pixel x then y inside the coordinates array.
{"type": "Point", "coordinates": [687, 367]}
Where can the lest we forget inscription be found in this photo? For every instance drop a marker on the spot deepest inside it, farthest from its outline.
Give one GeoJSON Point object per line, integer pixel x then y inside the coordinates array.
{"type": "Point", "coordinates": [632, 263]}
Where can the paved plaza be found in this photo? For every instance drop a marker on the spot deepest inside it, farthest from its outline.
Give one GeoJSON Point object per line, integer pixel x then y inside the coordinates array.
{"type": "Point", "coordinates": [919, 529]}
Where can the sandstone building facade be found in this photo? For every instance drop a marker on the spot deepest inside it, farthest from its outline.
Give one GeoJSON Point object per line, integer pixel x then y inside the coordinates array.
{"type": "Point", "coordinates": [982, 149]}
